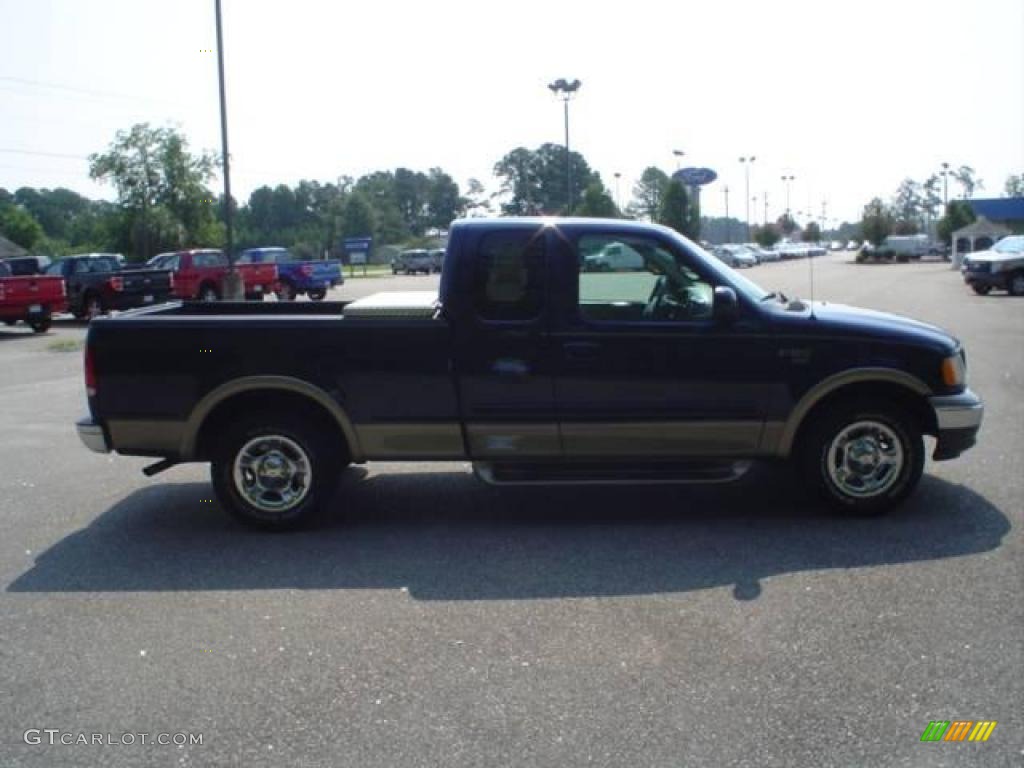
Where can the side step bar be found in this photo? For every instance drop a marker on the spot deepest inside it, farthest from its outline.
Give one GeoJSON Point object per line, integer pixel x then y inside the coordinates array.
{"type": "Point", "coordinates": [604, 473]}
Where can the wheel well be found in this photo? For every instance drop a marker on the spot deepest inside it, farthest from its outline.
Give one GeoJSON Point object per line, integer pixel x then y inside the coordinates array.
{"type": "Point", "coordinates": [875, 392]}
{"type": "Point", "coordinates": [265, 400]}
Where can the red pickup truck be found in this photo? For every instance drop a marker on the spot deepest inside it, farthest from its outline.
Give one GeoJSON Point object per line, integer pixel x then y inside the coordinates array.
{"type": "Point", "coordinates": [199, 274]}
{"type": "Point", "coordinates": [32, 298]}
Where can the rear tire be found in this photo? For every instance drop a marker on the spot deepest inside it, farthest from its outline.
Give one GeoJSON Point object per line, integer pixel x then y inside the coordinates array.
{"type": "Point", "coordinates": [275, 471]}
{"type": "Point", "coordinates": [92, 307]}
{"type": "Point", "coordinates": [41, 325]}
{"type": "Point", "coordinates": [1016, 284]}
{"type": "Point", "coordinates": [286, 292]}
{"type": "Point", "coordinates": [981, 290]}
{"type": "Point", "coordinates": [317, 294]}
{"type": "Point", "coordinates": [208, 293]}
{"type": "Point", "coordinates": [862, 457]}
{"type": "Point", "coordinates": [10, 321]}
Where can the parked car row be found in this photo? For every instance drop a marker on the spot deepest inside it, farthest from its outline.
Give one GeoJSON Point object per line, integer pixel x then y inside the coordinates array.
{"type": "Point", "coordinates": [750, 254]}
{"type": "Point", "coordinates": [34, 288]}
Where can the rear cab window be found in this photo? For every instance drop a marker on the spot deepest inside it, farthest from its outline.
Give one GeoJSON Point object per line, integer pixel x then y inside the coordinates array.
{"type": "Point", "coordinates": [509, 276]}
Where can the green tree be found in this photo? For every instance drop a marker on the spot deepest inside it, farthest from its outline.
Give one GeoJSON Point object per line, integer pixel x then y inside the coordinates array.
{"type": "Point", "coordinates": [597, 203]}
{"type": "Point", "coordinates": [766, 236]}
{"type": "Point", "coordinates": [535, 180]}
{"type": "Point", "coordinates": [877, 221]}
{"type": "Point", "coordinates": [786, 224]}
{"type": "Point", "coordinates": [18, 226]}
{"type": "Point", "coordinates": [649, 192]}
{"type": "Point", "coordinates": [907, 207]}
{"type": "Point", "coordinates": [968, 180]}
{"type": "Point", "coordinates": [444, 203]}
{"type": "Point", "coordinates": [1014, 186]}
{"type": "Point", "coordinates": [811, 233]}
{"type": "Point", "coordinates": [160, 185]}
{"type": "Point", "coordinates": [958, 214]}
{"type": "Point", "coordinates": [357, 219]}
{"type": "Point", "coordinates": [675, 208]}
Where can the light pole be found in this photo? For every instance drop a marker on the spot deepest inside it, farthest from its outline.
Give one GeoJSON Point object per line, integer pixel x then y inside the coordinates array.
{"type": "Point", "coordinates": [766, 207]}
{"type": "Point", "coordinates": [232, 287]}
{"type": "Point", "coordinates": [747, 162]}
{"type": "Point", "coordinates": [618, 202]}
{"type": "Point", "coordinates": [565, 90]}
{"type": "Point", "coordinates": [728, 233]}
{"type": "Point", "coordinates": [787, 180]}
{"type": "Point", "coordinates": [945, 185]}
{"type": "Point", "coordinates": [679, 154]}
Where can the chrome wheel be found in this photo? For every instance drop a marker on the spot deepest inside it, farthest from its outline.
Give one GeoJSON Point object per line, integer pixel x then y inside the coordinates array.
{"type": "Point", "coordinates": [865, 459]}
{"type": "Point", "coordinates": [272, 473]}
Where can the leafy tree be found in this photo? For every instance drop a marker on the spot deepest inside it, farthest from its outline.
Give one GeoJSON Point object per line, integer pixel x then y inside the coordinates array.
{"type": "Point", "coordinates": [786, 224]}
{"type": "Point", "coordinates": [968, 180]}
{"type": "Point", "coordinates": [811, 233]}
{"type": "Point", "coordinates": [768, 235]}
{"type": "Point", "coordinates": [649, 192]}
{"type": "Point", "coordinates": [597, 203]}
{"type": "Point", "coordinates": [477, 199]}
{"type": "Point", "coordinates": [357, 219]}
{"type": "Point", "coordinates": [444, 203]}
{"type": "Point", "coordinates": [958, 214]}
{"type": "Point", "coordinates": [157, 180]}
{"type": "Point", "coordinates": [877, 221]}
{"type": "Point", "coordinates": [675, 208]}
{"type": "Point", "coordinates": [907, 206]}
{"type": "Point", "coordinates": [535, 180]}
{"type": "Point", "coordinates": [1014, 186]}
{"type": "Point", "coordinates": [18, 226]}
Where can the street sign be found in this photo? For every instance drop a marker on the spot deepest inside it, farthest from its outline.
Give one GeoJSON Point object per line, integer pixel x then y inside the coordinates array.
{"type": "Point", "coordinates": [358, 250]}
{"type": "Point", "coordinates": [695, 177]}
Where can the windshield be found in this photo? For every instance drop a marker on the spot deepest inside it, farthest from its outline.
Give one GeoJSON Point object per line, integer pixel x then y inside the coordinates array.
{"type": "Point", "coordinates": [1010, 245]}
{"type": "Point", "coordinates": [725, 274]}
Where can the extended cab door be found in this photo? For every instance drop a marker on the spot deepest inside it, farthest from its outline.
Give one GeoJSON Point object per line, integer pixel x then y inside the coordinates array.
{"type": "Point", "coordinates": [642, 368]}
{"type": "Point", "coordinates": [501, 351]}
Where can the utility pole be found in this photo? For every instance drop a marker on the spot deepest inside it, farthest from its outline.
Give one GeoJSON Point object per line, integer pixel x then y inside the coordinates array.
{"type": "Point", "coordinates": [728, 233]}
{"type": "Point", "coordinates": [747, 162]}
{"type": "Point", "coordinates": [233, 288]}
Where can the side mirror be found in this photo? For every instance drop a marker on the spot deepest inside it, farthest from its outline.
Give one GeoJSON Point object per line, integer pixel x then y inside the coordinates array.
{"type": "Point", "coordinates": [725, 307]}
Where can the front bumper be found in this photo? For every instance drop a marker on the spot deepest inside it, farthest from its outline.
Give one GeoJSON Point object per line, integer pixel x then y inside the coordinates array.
{"type": "Point", "coordinates": [985, 279]}
{"type": "Point", "coordinates": [958, 418]}
{"type": "Point", "coordinates": [92, 436]}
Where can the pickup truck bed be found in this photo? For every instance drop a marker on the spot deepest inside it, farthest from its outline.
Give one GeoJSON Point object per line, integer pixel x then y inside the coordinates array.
{"type": "Point", "coordinates": [536, 370]}
{"type": "Point", "coordinates": [33, 299]}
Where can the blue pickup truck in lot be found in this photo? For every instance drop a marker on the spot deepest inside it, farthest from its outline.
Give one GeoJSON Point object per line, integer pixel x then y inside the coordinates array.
{"type": "Point", "coordinates": [670, 367]}
{"type": "Point", "coordinates": [297, 276]}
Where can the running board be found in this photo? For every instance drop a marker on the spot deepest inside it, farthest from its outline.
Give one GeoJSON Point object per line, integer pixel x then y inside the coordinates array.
{"type": "Point", "coordinates": [603, 473]}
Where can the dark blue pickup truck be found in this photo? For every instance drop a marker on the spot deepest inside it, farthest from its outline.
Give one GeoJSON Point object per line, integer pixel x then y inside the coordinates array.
{"type": "Point", "coordinates": [669, 367]}
{"type": "Point", "coordinates": [296, 276]}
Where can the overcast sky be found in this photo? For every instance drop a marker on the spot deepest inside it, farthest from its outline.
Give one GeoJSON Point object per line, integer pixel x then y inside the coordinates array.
{"type": "Point", "coordinates": [848, 96]}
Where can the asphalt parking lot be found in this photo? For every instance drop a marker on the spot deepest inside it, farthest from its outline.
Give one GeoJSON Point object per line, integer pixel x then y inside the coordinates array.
{"type": "Point", "coordinates": [437, 622]}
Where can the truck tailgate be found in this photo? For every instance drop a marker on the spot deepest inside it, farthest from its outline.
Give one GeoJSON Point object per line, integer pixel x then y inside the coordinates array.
{"type": "Point", "coordinates": [264, 275]}
{"type": "Point", "coordinates": [22, 292]}
{"type": "Point", "coordinates": [145, 281]}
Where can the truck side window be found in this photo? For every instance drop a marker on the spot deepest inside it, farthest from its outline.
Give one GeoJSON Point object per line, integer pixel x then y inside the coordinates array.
{"type": "Point", "coordinates": [509, 275]}
{"type": "Point", "coordinates": [629, 278]}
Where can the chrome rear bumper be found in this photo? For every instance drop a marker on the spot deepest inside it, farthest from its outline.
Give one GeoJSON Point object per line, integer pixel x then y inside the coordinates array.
{"type": "Point", "coordinates": [91, 435]}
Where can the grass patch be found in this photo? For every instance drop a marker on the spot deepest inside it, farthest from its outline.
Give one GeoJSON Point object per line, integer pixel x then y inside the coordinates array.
{"type": "Point", "coordinates": [65, 345]}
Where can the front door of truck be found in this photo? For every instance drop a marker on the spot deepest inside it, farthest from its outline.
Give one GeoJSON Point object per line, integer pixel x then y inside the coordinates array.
{"type": "Point", "coordinates": [502, 354]}
{"type": "Point", "coordinates": [642, 367]}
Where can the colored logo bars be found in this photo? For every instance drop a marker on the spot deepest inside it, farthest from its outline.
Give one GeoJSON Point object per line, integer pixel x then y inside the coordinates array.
{"type": "Point", "coordinates": [958, 730]}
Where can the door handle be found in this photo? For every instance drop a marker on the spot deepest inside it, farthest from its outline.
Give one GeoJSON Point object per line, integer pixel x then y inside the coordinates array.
{"type": "Point", "coordinates": [581, 350]}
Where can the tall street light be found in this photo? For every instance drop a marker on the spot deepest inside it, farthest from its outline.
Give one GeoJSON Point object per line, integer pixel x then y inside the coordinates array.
{"type": "Point", "coordinates": [747, 162]}
{"type": "Point", "coordinates": [728, 234]}
{"type": "Point", "coordinates": [232, 286]}
{"type": "Point", "coordinates": [679, 155]}
{"type": "Point", "coordinates": [945, 185]}
{"type": "Point", "coordinates": [618, 203]}
{"type": "Point", "coordinates": [565, 91]}
{"type": "Point", "coordinates": [787, 180]}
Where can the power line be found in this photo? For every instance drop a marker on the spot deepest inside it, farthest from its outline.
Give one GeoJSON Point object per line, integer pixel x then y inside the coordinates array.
{"type": "Point", "coordinates": [43, 154]}
{"type": "Point", "coordinates": [84, 91]}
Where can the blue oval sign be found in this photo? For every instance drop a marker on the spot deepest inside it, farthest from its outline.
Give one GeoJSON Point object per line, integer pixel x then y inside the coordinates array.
{"type": "Point", "coordinates": [695, 177]}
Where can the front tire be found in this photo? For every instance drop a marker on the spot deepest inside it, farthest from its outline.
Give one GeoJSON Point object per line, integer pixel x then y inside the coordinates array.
{"type": "Point", "coordinates": [1015, 286]}
{"type": "Point", "coordinates": [208, 293]}
{"type": "Point", "coordinates": [286, 292]}
{"type": "Point", "coordinates": [275, 471]}
{"type": "Point", "coordinates": [981, 290]}
{"type": "Point", "coordinates": [42, 325]}
{"type": "Point", "coordinates": [317, 294]}
{"type": "Point", "coordinates": [863, 458]}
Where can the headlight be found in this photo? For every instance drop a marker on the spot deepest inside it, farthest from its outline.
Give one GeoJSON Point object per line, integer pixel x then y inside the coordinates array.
{"type": "Point", "coordinates": [954, 371]}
